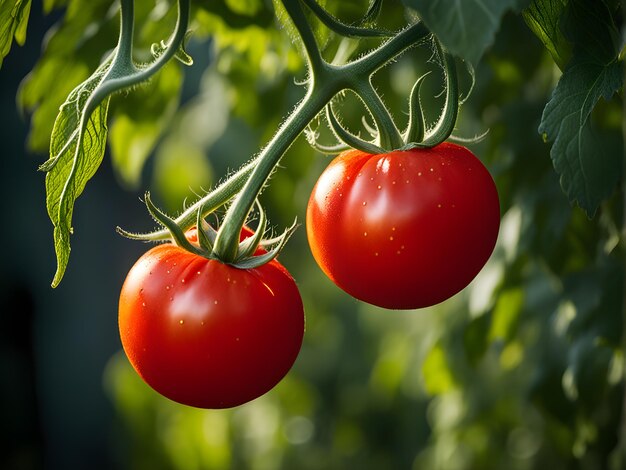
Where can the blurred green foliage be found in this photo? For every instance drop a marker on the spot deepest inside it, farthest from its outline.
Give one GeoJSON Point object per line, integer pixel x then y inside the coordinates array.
{"type": "Point", "coordinates": [522, 370]}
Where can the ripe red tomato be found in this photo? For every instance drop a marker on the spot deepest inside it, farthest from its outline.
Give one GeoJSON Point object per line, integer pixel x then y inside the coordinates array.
{"type": "Point", "coordinates": [405, 229]}
{"type": "Point", "coordinates": [206, 334]}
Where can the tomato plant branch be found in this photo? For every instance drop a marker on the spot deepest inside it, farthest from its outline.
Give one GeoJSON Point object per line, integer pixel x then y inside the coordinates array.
{"type": "Point", "coordinates": [124, 53]}
{"type": "Point", "coordinates": [124, 73]}
{"type": "Point", "coordinates": [325, 81]}
{"type": "Point", "coordinates": [307, 38]}
{"type": "Point", "coordinates": [228, 236]}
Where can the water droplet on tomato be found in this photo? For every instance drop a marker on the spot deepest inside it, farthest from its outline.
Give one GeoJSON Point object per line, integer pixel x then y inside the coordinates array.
{"type": "Point", "coordinates": [379, 187]}
{"type": "Point", "coordinates": [167, 287]}
{"type": "Point", "coordinates": [391, 239]}
{"type": "Point", "coordinates": [215, 302]}
{"type": "Point", "coordinates": [432, 169]}
{"type": "Point", "coordinates": [199, 273]}
{"type": "Point", "coordinates": [419, 173]}
{"type": "Point", "coordinates": [182, 280]}
{"type": "Point", "coordinates": [181, 322]}
{"type": "Point", "coordinates": [439, 205]}
{"type": "Point", "coordinates": [364, 203]}
{"type": "Point", "coordinates": [376, 254]}
{"type": "Point", "coordinates": [143, 304]}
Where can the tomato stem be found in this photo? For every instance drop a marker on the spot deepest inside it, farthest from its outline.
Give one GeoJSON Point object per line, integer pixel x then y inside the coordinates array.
{"type": "Point", "coordinates": [226, 244]}
{"type": "Point", "coordinates": [325, 80]}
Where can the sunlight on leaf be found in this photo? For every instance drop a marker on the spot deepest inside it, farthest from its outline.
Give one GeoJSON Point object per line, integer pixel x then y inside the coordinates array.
{"type": "Point", "coordinates": [543, 18]}
{"type": "Point", "coordinates": [76, 151]}
{"type": "Point", "coordinates": [13, 23]}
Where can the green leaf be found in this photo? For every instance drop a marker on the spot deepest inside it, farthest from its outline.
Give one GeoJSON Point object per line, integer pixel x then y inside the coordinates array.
{"type": "Point", "coordinates": [587, 166]}
{"type": "Point", "coordinates": [76, 151]}
{"type": "Point", "coordinates": [13, 23]}
{"type": "Point", "coordinates": [465, 27]}
{"type": "Point", "coordinates": [588, 163]}
{"type": "Point", "coordinates": [543, 18]}
{"type": "Point", "coordinates": [590, 27]}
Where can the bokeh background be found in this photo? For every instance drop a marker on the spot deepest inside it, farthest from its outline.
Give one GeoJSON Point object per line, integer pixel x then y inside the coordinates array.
{"type": "Point", "coordinates": [522, 370]}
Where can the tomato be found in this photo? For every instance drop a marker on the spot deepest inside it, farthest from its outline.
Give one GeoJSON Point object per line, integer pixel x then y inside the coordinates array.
{"type": "Point", "coordinates": [405, 229]}
{"type": "Point", "coordinates": [206, 334]}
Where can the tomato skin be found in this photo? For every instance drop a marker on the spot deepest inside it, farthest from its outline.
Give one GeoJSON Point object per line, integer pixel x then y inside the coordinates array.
{"type": "Point", "coordinates": [406, 229]}
{"type": "Point", "coordinates": [206, 334]}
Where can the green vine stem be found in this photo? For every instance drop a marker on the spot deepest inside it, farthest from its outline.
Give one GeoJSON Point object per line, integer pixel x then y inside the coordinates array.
{"type": "Point", "coordinates": [325, 81]}
{"type": "Point", "coordinates": [123, 72]}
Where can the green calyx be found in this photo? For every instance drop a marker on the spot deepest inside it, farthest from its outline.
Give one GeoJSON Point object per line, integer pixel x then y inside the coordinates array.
{"type": "Point", "coordinates": [246, 256]}
{"type": "Point", "coordinates": [386, 136]}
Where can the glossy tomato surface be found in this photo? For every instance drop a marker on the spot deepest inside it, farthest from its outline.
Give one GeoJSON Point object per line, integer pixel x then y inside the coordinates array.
{"type": "Point", "coordinates": [206, 334]}
{"type": "Point", "coordinates": [406, 229]}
